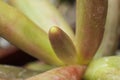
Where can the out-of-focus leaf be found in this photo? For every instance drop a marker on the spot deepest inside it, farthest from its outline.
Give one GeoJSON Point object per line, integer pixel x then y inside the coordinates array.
{"type": "Point", "coordinates": [42, 13]}
{"type": "Point", "coordinates": [107, 68]}
{"type": "Point", "coordinates": [74, 72]}
{"type": "Point", "coordinates": [39, 66]}
{"type": "Point", "coordinates": [111, 35]}
{"type": "Point", "coordinates": [20, 31]}
{"type": "Point", "coordinates": [12, 72]}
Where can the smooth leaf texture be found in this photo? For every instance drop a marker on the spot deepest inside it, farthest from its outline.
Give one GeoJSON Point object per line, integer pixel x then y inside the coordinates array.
{"type": "Point", "coordinates": [107, 68]}
{"type": "Point", "coordinates": [24, 34]}
{"type": "Point", "coordinates": [63, 73]}
{"type": "Point", "coordinates": [43, 13]}
{"type": "Point", "coordinates": [63, 45]}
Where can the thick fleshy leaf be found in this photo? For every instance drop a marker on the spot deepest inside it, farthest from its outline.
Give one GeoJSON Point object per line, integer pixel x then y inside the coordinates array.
{"type": "Point", "coordinates": [23, 33]}
{"type": "Point", "coordinates": [42, 13]}
{"type": "Point", "coordinates": [91, 17]}
{"type": "Point", "coordinates": [111, 35]}
{"type": "Point", "coordinates": [63, 73]}
{"type": "Point", "coordinates": [63, 45]}
{"type": "Point", "coordinates": [107, 68]}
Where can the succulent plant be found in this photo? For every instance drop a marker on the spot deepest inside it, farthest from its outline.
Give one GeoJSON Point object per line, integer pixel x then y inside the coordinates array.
{"type": "Point", "coordinates": [107, 68]}
{"type": "Point", "coordinates": [36, 27]}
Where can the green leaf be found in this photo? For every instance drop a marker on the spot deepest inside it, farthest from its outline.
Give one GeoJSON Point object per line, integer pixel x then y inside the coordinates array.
{"type": "Point", "coordinates": [39, 66]}
{"type": "Point", "coordinates": [107, 68]}
{"type": "Point", "coordinates": [42, 13]}
{"type": "Point", "coordinates": [24, 34]}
